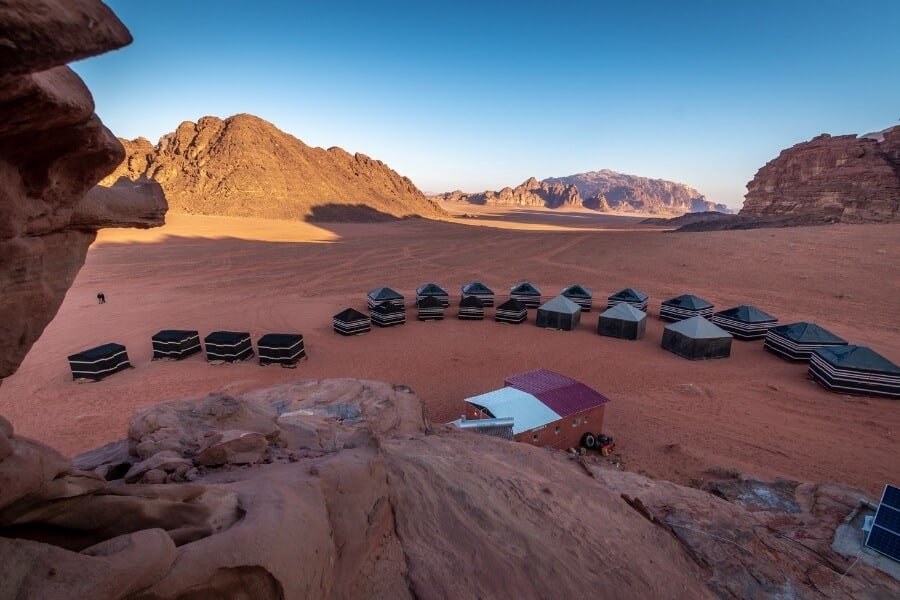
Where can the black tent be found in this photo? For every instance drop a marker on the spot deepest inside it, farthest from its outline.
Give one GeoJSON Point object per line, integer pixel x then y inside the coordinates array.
{"type": "Point", "coordinates": [559, 313]}
{"type": "Point", "coordinates": [228, 346]}
{"type": "Point", "coordinates": [388, 314]}
{"type": "Point", "coordinates": [797, 341]}
{"type": "Point", "coordinates": [175, 344]}
{"type": "Point", "coordinates": [622, 321]}
{"type": "Point", "coordinates": [479, 290]}
{"type": "Point", "coordinates": [471, 309]}
{"type": "Point", "coordinates": [697, 339]}
{"type": "Point", "coordinates": [580, 295]}
{"type": "Point", "coordinates": [685, 307]}
{"type": "Point", "coordinates": [351, 322]}
{"type": "Point", "coordinates": [100, 362]}
{"type": "Point", "coordinates": [630, 296]}
{"type": "Point", "coordinates": [526, 293]}
{"type": "Point", "coordinates": [855, 370]}
{"type": "Point", "coordinates": [431, 308]}
{"type": "Point", "coordinates": [511, 311]}
{"type": "Point", "coordinates": [433, 290]}
{"type": "Point", "coordinates": [283, 349]}
{"type": "Point", "coordinates": [381, 295]}
{"type": "Point", "coordinates": [745, 322]}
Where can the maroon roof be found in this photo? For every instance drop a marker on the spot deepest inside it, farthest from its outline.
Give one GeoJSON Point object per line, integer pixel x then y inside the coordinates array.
{"type": "Point", "coordinates": [562, 394]}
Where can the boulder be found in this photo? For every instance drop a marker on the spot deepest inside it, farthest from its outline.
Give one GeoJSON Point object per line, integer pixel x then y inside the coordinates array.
{"type": "Point", "coordinates": [234, 447]}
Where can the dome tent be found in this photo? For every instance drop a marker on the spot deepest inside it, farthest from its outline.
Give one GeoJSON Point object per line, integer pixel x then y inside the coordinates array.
{"type": "Point", "coordinates": [697, 339]}
{"type": "Point", "coordinates": [559, 313]}
{"type": "Point", "coordinates": [745, 322]}
{"type": "Point", "coordinates": [685, 307]}
{"type": "Point", "coordinates": [622, 321]}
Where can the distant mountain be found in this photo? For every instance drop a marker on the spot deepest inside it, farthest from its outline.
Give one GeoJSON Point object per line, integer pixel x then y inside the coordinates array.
{"type": "Point", "coordinates": [604, 191]}
{"type": "Point", "coordinates": [244, 166]}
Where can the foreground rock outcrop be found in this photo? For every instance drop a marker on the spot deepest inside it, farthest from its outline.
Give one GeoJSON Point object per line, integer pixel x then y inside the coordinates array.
{"type": "Point", "coordinates": [829, 179]}
{"type": "Point", "coordinates": [244, 166]}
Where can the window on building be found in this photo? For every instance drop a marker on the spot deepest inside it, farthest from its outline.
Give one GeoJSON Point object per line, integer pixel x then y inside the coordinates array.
{"type": "Point", "coordinates": [534, 437]}
{"type": "Point", "coordinates": [556, 430]}
{"type": "Point", "coordinates": [574, 422]}
{"type": "Point", "coordinates": [584, 420]}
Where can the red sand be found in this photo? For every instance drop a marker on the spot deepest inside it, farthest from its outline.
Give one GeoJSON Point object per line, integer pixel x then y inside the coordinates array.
{"type": "Point", "coordinates": [671, 417]}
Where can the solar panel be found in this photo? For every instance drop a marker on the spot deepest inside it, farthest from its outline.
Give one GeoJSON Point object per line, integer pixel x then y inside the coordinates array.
{"type": "Point", "coordinates": [885, 534]}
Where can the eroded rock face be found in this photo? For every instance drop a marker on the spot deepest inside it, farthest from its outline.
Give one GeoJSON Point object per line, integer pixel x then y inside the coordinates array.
{"type": "Point", "coordinates": [844, 178]}
{"type": "Point", "coordinates": [530, 193]}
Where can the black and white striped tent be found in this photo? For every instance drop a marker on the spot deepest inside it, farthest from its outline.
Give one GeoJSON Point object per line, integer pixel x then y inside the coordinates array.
{"type": "Point", "coordinates": [697, 339]}
{"type": "Point", "coordinates": [433, 290]}
{"type": "Point", "coordinates": [351, 322]}
{"type": "Point", "coordinates": [855, 370]}
{"type": "Point", "coordinates": [580, 295]}
{"type": "Point", "coordinates": [283, 349]}
{"type": "Point", "coordinates": [511, 311]}
{"type": "Point", "coordinates": [685, 307]}
{"type": "Point", "coordinates": [388, 314]}
{"type": "Point", "coordinates": [630, 296]}
{"type": "Point", "coordinates": [526, 293]}
{"type": "Point", "coordinates": [479, 290]}
{"type": "Point", "coordinates": [175, 344]}
{"type": "Point", "coordinates": [797, 341]}
{"type": "Point", "coordinates": [471, 309]}
{"type": "Point", "coordinates": [745, 322]}
{"type": "Point", "coordinates": [381, 295]}
{"type": "Point", "coordinates": [622, 321]}
{"type": "Point", "coordinates": [228, 346]}
{"type": "Point", "coordinates": [100, 362]}
{"type": "Point", "coordinates": [558, 313]}
{"type": "Point", "coordinates": [431, 308]}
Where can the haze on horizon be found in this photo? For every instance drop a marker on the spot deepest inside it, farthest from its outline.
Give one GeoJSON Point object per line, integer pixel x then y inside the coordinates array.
{"type": "Point", "coordinates": [473, 97]}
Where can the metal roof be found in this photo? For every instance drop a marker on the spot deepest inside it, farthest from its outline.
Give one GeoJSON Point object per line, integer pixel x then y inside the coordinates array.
{"type": "Point", "coordinates": [698, 328]}
{"type": "Point", "coordinates": [527, 411]}
{"type": "Point", "coordinates": [564, 395]}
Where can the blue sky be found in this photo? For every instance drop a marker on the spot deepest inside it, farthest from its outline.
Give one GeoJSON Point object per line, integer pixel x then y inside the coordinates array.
{"type": "Point", "coordinates": [475, 95]}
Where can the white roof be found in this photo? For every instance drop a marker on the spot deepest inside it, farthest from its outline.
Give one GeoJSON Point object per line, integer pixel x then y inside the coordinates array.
{"type": "Point", "coordinates": [561, 304]}
{"type": "Point", "coordinates": [527, 411]}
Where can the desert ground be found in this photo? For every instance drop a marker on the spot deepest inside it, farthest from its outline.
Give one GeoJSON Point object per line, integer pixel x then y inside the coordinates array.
{"type": "Point", "coordinates": [670, 417]}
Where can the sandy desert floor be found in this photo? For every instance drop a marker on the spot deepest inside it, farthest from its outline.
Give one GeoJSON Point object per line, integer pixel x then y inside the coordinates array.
{"type": "Point", "coordinates": [671, 417]}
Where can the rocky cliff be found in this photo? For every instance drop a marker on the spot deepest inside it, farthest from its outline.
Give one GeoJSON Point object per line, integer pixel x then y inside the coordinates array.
{"type": "Point", "coordinates": [831, 179]}
{"type": "Point", "coordinates": [244, 166]}
{"type": "Point", "coordinates": [530, 193]}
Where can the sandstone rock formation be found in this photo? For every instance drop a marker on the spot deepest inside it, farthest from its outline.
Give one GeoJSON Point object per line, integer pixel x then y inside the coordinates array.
{"type": "Point", "coordinates": [244, 166]}
{"type": "Point", "coordinates": [845, 178]}
{"type": "Point", "coordinates": [530, 193]}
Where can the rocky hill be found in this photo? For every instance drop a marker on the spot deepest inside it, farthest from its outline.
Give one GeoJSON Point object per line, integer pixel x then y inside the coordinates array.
{"type": "Point", "coordinates": [530, 193]}
{"type": "Point", "coordinates": [831, 179]}
{"type": "Point", "coordinates": [244, 166]}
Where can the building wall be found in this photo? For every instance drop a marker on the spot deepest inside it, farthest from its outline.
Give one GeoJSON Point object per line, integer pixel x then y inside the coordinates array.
{"type": "Point", "coordinates": [562, 434]}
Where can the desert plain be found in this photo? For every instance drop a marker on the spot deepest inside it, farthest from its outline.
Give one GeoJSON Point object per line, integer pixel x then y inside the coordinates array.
{"type": "Point", "coordinates": [670, 418]}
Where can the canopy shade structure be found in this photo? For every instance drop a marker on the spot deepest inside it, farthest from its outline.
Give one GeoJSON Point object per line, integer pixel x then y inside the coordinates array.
{"type": "Point", "coordinates": [351, 322]}
{"type": "Point", "coordinates": [559, 313]}
{"type": "Point", "coordinates": [797, 341]}
{"type": "Point", "coordinates": [631, 296]}
{"type": "Point", "coordinates": [512, 311]}
{"type": "Point", "coordinates": [471, 308]}
{"type": "Point", "coordinates": [697, 339]}
{"type": "Point", "coordinates": [284, 349]}
{"type": "Point", "coordinates": [527, 293]}
{"type": "Point", "coordinates": [580, 295]}
{"type": "Point", "coordinates": [175, 344]}
{"type": "Point", "coordinates": [99, 362]}
{"type": "Point", "coordinates": [381, 295]}
{"type": "Point", "coordinates": [526, 411]}
{"type": "Point", "coordinates": [685, 307]}
{"type": "Point", "coordinates": [388, 314]}
{"type": "Point", "coordinates": [622, 321]}
{"type": "Point", "coordinates": [431, 308]}
{"type": "Point", "coordinates": [483, 292]}
{"type": "Point", "coordinates": [228, 346]}
{"type": "Point", "coordinates": [745, 322]}
{"type": "Point", "coordinates": [855, 370]}
{"type": "Point", "coordinates": [433, 290]}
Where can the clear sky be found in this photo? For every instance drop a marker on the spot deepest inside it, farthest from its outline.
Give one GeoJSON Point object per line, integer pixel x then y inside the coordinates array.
{"type": "Point", "coordinates": [477, 95]}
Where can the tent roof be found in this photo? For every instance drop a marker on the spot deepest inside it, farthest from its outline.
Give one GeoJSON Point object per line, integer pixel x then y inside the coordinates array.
{"type": "Point", "coordinates": [624, 312]}
{"type": "Point", "coordinates": [431, 302]}
{"type": "Point", "coordinates": [525, 287]}
{"type": "Point", "coordinates": [174, 334]}
{"type": "Point", "coordinates": [471, 302]}
{"type": "Point", "coordinates": [99, 351]}
{"type": "Point", "coordinates": [226, 336]}
{"type": "Point", "coordinates": [476, 287]}
{"type": "Point", "coordinates": [698, 328]}
{"type": "Point", "coordinates": [387, 308]}
{"type": "Point", "coordinates": [857, 357]}
{"type": "Point", "coordinates": [807, 333]}
{"type": "Point", "coordinates": [279, 339]}
{"type": "Point", "coordinates": [512, 304]}
{"type": "Point", "coordinates": [526, 410]}
{"type": "Point", "coordinates": [747, 314]}
{"type": "Point", "coordinates": [577, 290]}
{"type": "Point", "coordinates": [564, 395]}
{"type": "Point", "coordinates": [629, 295]}
{"type": "Point", "coordinates": [689, 301]}
{"type": "Point", "coordinates": [385, 293]}
{"type": "Point", "coordinates": [431, 289]}
{"type": "Point", "coordinates": [350, 314]}
{"type": "Point", "coordinates": [561, 304]}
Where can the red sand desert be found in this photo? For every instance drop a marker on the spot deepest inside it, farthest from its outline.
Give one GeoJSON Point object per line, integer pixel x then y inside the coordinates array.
{"type": "Point", "coordinates": [670, 417]}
